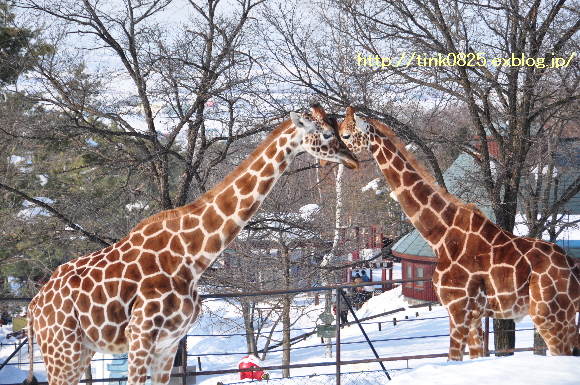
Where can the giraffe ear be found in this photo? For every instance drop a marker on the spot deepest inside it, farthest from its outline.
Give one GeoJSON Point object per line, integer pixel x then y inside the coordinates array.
{"type": "Point", "coordinates": [350, 111]}
{"type": "Point", "coordinates": [301, 122]}
{"type": "Point", "coordinates": [361, 124]}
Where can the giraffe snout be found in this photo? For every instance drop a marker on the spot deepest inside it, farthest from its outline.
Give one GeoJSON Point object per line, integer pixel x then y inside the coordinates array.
{"type": "Point", "coordinates": [349, 160]}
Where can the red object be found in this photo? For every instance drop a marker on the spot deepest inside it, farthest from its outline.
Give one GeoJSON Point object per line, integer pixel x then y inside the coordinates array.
{"type": "Point", "coordinates": [250, 362]}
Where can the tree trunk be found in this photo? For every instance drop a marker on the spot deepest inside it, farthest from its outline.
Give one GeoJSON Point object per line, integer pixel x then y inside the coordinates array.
{"type": "Point", "coordinates": [286, 302]}
{"type": "Point", "coordinates": [326, 261]}
{"type": "Point", "coordinates": [504, 335]}
{"type": "Point", "coordinates": [269, 339]}
{"type": "Point", "coordinates": [539, 344]}
{"type": "Point", "coordinates": [286, 334]}
{"type": "Point", "coordinates": [247, 311]}
{"type": "Point", "coordinates": [504, 329]}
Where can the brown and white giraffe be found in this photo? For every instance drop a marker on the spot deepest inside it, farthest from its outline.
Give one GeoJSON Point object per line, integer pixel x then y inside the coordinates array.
{"type": "Point", "coordinates": [139, 295]}
{"type": "Point", "coordinates": [482, 270]}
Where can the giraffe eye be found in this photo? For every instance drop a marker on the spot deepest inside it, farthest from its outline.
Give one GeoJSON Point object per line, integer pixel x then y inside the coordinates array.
{"type": "Point", "coordinates": [346, 136]}
{"type": "Point", "coordinates": [327, 136]}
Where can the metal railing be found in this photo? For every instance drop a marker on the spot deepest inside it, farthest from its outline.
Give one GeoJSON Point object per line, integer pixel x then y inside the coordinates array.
{"type": "Point", "coordinates": [338, 376]}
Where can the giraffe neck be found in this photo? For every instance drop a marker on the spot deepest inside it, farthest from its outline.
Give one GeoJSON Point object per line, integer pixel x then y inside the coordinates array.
{"type": "Point", "coordinates": [201, 230]}
{"type": "Point", "coordinates": [425, 204]}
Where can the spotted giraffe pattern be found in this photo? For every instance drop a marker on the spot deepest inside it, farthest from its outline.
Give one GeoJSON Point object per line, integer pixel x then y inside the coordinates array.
{"type": "Point", "coordinates": [139, 295]}
{"type": "Point", "coordinates": [482, 270]}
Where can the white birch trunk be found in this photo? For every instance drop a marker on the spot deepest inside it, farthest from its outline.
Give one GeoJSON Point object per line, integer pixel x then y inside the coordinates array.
{"type": "Point", "coordinates": [328, 258]}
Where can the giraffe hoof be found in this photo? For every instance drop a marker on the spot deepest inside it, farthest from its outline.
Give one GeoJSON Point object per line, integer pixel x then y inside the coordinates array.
{"type": "Point", "coordinates": [576, 351]}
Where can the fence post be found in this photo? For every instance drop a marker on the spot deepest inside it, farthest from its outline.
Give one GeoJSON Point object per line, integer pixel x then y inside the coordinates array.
{"type": "Point", "coordinates": [183, 343]}
{"type": "Point", "coordinates": [337, 306]}
{"type": "Point", "coordinates": [486, 338]}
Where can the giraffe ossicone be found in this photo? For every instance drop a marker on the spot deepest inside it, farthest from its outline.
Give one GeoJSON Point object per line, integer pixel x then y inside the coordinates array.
{"type": "Point", "coordinates": [139, 295]}
{"type": "Point", "coordinates": [482, 270]}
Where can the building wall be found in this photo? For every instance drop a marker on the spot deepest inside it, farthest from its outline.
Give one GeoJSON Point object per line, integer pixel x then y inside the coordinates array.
{"type": "Point", "coordinates": [418, 267]}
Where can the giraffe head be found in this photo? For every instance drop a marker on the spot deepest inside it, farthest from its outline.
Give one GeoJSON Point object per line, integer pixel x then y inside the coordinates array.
{"type": "Point", "coordinates": [320, 137]}
{"type": "Point", "coordinates": [353, 131]}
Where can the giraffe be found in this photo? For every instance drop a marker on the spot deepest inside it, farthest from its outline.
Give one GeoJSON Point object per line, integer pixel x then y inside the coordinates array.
{"type": "Point", "coordinates": [482, 270]}
{"type": "Point", "coordinates": [139, 295]}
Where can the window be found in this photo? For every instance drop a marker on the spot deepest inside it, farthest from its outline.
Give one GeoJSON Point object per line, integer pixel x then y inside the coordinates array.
{"type": "Point", "coordinates": [409, 275]}
{"type": "Point", "coordinates": [419, 275]}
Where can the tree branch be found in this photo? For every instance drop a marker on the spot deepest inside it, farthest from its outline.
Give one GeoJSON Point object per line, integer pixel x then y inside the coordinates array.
{"type": "Point", "coordinates": [91, 236]}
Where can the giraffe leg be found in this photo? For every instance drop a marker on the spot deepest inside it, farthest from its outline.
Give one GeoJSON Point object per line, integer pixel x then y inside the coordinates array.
{"type": "Point", "coordinates": [144, 354]}
{"type": "Point", "coordinates": [86, 357]}
{"type": "Point", "coordinates": [458, 335]}
{"type": "Point", "coordinates": [552, 335]}
{"type": "Point", "coordinates": [161, 364]}
{"type": "Point", "coordinates": [63, 369]}
{"type": "Point", "coordinates": [140, 354]}
{"type": "Point", "coordinates": [475, 338]}
{"type": "Point", "coordinates": [564, 341]}
{"type": "Point", "coordinates": [150, 337]}
{"type": "Point", "coordinates": [143, 357]}
{"type": "Point", "coordinates": [63, 353]}
{"type": "Point", "coordinates": [556, 324]}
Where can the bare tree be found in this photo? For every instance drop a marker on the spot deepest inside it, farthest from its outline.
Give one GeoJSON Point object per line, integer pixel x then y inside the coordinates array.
{"type": "Point", "coordinates": [132, 111]}
{"type": "Point", "coordinates": [510, 65]}
{"type": "Point", "coordinates": [549, 179]}
{"type": "Point", "coordinates": [171, 97]}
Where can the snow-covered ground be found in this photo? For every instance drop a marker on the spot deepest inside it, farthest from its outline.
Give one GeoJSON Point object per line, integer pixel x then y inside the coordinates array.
{"type": "Point", "coordinates": [425, 333]}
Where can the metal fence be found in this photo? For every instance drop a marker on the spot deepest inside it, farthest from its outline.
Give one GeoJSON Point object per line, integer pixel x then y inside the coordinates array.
{"type": "Point", "coordinates": [338, 378]}
{"type": "Point", "coordinates": [376, 377]}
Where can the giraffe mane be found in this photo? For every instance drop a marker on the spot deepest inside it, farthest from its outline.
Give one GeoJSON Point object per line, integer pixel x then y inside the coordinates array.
{"type": "Point", "coordinates": [418, 166]}
{"type": "Point", "coordinates": [199, 202]}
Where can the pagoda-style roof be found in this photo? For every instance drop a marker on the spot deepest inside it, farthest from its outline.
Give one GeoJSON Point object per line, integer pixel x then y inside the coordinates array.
{"type": "Point", "coordinates": [413, 244]}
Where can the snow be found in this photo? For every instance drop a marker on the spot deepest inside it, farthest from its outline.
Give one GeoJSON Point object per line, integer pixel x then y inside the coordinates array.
{"type": "Point", "coordinates": [11, 374]}
{"type": "Point", "coordinates": [138, 205]}
{"type": "Point", "coordinates": [374, 185]}
{"type": "Point", "coordinates": [32, 210]}
{"type": "Point", "coordinates": [16, 159]}
{"type": "Point", "coordinates": [513, 370]}
{"type": "Point", "coordinates": [424, 332]}
{"type": "Point", "coordinates": [43, 179]}
{"type": "Point", "coordinates": [253, 359]}
{"type": "Point", "coordinates": [309, 211]}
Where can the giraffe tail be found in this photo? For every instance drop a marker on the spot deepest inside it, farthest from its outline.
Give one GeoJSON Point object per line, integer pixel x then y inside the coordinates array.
{"type": "Point", "coordinates": [31, 379]}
